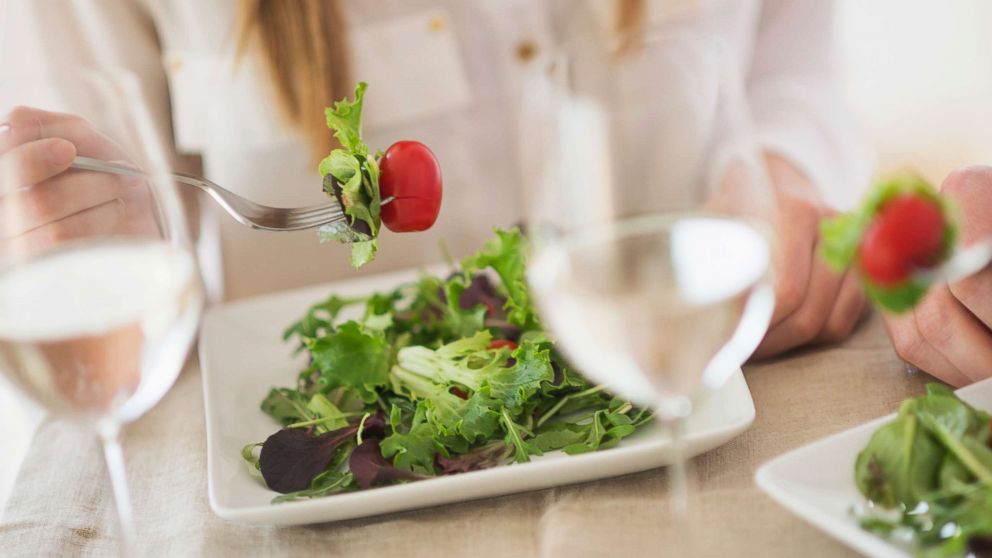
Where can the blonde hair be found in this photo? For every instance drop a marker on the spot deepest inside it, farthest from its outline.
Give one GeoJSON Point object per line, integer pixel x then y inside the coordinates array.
{"type": "Point", "coordinates": [304, 49]}
{"type": "Point", "coordinates": [303, 45]}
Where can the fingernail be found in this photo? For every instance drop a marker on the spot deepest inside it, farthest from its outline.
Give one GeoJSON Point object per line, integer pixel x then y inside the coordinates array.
{"type": "Point", "coordinates": [4, 129]}
{"type": "Point", "coordinates": [61, 152]}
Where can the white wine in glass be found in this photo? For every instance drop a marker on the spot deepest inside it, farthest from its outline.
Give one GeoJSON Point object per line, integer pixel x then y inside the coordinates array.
{"type": "Point", "coordinates": [648, 213]}
{"type": "Point", "coordinates": [100, 296]}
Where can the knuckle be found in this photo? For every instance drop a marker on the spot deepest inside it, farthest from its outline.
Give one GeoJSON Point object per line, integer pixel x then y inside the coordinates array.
{"type": "Point", "coordinates": [933, 329]}
{"type": "Point", "coordinates": [59, 232]}
{"type": "Point", "coordinates": [968, 291]}
{"type": "Point", "coordinates": [790, 294]}
{"type": "Point", "coordinates": [38, 205]}
{"type": "Point", "coordinates": [907, 346]}
{"type": "Point", "coordinates": [806, 326]}
{"type": "Point", "coordinates": [839, 329]}
{"type": "Point", "coordinates": [20, 114]}
{"type": "Point", "coordinates": [966, 178]}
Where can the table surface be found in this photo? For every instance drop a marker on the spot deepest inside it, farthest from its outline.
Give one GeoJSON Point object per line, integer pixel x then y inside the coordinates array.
{"type": "Point", "coordinates": [67, 510]}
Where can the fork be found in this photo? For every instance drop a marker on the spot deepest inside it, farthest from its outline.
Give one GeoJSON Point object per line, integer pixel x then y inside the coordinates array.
{"type": "Point", "coordinates": [245, 211]}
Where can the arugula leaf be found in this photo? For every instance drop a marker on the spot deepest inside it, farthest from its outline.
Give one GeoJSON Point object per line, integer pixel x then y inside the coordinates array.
{"type": "Point", "coordinates": [522, 450]}
{"type": "Point", "coordinates": [331, 417]}
{"type": "Point", "coordinates": [506, 254]}
{"type": "Point", "coordinates": [319, 319]}
{"type": "Point", "coordinates": [353, 358]}
{"type": "Point", "coordinates": [414, 450]}
{"type": "Point", "coordinates": [287, 406]}
{"type": "Point", "coordinates": [558, 435]}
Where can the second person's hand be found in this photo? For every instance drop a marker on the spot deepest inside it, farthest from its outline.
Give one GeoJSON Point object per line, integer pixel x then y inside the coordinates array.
{"type": "Point", "coordinates": [813, 304]}
{"type": "Point", "coordinates": [948, 333]}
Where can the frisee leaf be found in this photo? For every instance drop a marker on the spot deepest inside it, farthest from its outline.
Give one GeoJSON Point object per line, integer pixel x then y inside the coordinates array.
{"type": "Point", "coordinates": [353, 179]}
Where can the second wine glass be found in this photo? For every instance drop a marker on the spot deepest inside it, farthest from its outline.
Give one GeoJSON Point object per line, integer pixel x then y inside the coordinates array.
{"type": "Point", "coordinates": [648, 215]}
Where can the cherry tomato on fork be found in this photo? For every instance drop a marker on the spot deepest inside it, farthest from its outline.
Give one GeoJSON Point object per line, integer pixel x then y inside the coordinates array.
{"type": "Point", "coordinates": [907, 233]}
{"type": "Point", "coordinates": [411, 176]}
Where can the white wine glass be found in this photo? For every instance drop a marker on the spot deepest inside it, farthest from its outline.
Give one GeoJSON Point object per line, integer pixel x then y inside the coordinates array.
{"type": "Point", "coordinates": [100, 297]}
{"type": "Point", "coordinates": [649, 212]}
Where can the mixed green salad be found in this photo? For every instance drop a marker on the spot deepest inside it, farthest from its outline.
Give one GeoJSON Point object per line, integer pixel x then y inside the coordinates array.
{"type": "Point", "coordinates": [928, 477]}
{"type": "Point", "coordinates": [436, 377]}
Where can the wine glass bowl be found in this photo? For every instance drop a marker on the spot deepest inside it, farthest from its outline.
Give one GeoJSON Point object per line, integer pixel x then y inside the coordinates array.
{"type": "Point", "coordinates": [644, 305]}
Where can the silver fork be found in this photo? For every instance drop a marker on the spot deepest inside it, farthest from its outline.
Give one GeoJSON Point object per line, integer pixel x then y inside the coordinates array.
{"type": "Point", "coordinates": [245, 211]}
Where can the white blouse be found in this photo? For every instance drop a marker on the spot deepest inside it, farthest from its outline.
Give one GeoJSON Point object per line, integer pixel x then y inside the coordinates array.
{"type": "Point", "coordinates": [470, 52]}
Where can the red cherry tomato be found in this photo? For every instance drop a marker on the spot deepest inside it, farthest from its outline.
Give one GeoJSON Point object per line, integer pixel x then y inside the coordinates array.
{"type": "Point", "coordinates": [907, 233]}
{"type": "Point", "coordinates": [500, 343]}
{"type": "Point", "coordinates": [411, 175]}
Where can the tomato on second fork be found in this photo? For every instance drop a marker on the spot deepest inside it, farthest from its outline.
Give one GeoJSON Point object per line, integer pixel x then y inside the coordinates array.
{"type": "Point", "coordinates": [907, 233]}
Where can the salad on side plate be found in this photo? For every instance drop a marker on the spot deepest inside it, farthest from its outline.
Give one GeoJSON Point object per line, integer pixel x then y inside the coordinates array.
{"type": "Point", "coordinates": [927, 477]}
{"type": "Point", "coordinates": [441, 376]}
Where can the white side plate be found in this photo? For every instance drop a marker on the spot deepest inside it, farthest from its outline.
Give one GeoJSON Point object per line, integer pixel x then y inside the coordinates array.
{"type": "Point", "coordinates": [242, 356]}
{"type": "Point", "coordinates": [816, 482]}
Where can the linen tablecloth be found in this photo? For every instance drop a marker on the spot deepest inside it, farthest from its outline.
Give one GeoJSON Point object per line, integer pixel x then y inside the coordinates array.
{"type": "Point", "coordinates": [62, 506]}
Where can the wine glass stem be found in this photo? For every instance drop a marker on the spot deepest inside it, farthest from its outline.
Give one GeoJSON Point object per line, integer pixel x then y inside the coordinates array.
{"type": "Point", "coordinates": [114, 456]}
{"type": "Point", "coordinates": [679, 486]}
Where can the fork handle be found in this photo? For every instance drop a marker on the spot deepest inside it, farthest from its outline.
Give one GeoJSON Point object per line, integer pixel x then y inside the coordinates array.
{"type": "Point", "coordinates": [99, 165]}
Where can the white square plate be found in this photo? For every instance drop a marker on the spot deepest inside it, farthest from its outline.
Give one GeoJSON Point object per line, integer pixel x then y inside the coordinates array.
{"type": "Point", "coordinates": [242, 356]}
{"type": "Point", "coordinates": [816, 482]}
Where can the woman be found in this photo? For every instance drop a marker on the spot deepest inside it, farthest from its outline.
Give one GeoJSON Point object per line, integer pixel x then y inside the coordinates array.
{"type": "Point", "coordinates": [241, 85]}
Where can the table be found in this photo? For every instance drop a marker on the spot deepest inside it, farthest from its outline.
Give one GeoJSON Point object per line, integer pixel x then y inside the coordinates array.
{"type": "Point", "coordinates": [61, 504]}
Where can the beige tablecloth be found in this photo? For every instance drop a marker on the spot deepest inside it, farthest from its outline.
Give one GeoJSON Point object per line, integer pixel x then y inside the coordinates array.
{"type": "Point", "coordinates": [61, 505]}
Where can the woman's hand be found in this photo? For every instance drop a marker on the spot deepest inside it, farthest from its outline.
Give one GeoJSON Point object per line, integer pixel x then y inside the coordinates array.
{"type": "Point", "coordinates": [813, 304]}
{"type": "Point", "coordinates": [42, 204]}
{"type": "Point", "coordinates": [948, 333]}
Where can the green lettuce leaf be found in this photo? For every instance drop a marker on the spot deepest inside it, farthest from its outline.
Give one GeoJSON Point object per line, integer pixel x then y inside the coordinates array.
{"type": "Point", "coordinates": [515, 385]}
{"type": "Point", "coordinates": [353, 358]}
{"type": "Point", "coordinates": [353, 178]}
{"type": "Point", "coordinates": [346, 121]}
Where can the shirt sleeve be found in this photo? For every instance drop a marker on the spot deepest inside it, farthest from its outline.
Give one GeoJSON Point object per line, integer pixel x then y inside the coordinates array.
{"type": "Point", "coordinates": [46, 38]}
{"type": "Point", "coordinates": [798, 110]}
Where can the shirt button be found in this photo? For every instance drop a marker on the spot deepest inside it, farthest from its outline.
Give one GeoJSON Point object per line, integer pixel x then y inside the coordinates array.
{"type": "Point", "coordinates": [526, 50]}
{"type": "Point", "coordinates": [436, 24]}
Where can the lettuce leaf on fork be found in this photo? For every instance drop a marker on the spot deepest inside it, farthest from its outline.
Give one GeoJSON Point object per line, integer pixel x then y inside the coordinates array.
{"type": "Point", "coordinates": [352, 177]}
